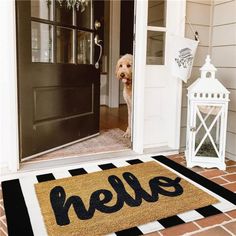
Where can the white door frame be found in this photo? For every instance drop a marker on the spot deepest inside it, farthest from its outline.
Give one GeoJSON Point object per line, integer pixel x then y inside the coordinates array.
{"type": "Point", "coordinates": [9, 140]}
{"type": "Point", "coordinates": [9, 144]}
{"type": "Point", "coordinates": [140, 44]}
{"type": "Point", "coordinates": [114, 53]}
{"type": "Point", "coordinates": [176, 9]}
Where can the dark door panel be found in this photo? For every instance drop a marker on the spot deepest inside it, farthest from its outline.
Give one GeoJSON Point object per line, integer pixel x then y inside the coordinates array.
{"type": "Point", "coordinates": [58, 83]}
{"type": "Point", "coordinates": [62, 102]}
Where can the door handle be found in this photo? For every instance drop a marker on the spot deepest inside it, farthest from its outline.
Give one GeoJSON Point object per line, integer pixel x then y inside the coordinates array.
{"type": "Point", "coordinates": [97, 41]}
{"type": "Point", "coordinates": [97, 24]}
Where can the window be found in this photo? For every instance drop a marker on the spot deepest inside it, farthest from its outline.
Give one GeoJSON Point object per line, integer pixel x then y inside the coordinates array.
{"type": "Point", "coordinates": [60, 34]}
{"type": "Point", "coordinates": [156, 32]}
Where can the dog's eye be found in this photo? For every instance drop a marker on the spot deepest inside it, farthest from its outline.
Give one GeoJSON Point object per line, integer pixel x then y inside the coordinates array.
{"type": "Point", "coordinates": [128, 65]}
{"type": "Point", "coordinates": [120, 65]}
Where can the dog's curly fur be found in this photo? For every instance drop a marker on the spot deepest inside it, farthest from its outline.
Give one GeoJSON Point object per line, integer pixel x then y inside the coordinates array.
{"type": "Point", "coordinates": [124, 73]}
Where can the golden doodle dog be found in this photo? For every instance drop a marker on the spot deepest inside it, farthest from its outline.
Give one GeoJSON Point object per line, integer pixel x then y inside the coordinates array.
{"type": "Point", "coordinates": [124, 73]}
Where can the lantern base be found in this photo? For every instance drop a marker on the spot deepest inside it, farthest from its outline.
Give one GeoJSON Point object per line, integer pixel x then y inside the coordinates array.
{"type": "Point", "coordinates": [204, 162]}
{"type": "Point", "coordinates": [220, 166]}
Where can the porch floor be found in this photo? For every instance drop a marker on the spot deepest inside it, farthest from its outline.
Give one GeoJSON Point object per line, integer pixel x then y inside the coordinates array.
{"type": "Point", "coordinates": [221, 225]}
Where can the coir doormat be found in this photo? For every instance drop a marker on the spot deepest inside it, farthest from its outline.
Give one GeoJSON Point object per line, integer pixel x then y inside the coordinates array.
{"type": "Point", "coordinates": [134, 199]}
{"type": "Point", "coordinates": [116, 199]}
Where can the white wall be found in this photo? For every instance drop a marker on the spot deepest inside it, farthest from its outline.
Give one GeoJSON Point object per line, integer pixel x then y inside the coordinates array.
{"type": "Point", "coordinates": [224, 58]}
{"type": "Point", "coordinates": [198, 14]}
{"type": "Point", "coordinates": [216, 25]}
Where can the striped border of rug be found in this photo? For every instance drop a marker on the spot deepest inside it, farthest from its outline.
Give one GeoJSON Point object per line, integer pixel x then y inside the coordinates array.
{"type": "Point", "coordinates": [24, 216]}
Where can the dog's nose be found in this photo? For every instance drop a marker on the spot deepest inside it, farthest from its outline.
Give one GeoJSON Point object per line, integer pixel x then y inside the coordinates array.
{"type": "Point", "coordinates": [122, 75]}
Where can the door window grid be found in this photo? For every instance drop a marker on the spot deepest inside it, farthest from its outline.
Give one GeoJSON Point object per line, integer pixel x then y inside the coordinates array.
{"type": "Point", "coordinates": [42, 43]}
{"type": "Point", "coordinates": [156, 32]}
{"type": "Point", "coordinates": [54, 23]}
{"type": "Point", "coordinates": [42, 9]}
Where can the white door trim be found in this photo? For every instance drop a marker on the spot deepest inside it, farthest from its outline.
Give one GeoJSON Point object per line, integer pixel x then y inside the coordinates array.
{"type": "Point", "coordinates": [139, 74]}
{"type": "Point", "coordinates": [9, 143]}
{"type": "Point", "coordinates": [178, 10]}
{"type": "Point", "coordinates": [114, 53]}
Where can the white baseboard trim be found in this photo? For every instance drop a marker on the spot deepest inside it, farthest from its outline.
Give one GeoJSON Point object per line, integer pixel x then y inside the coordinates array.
{"type": "Point", "coordinates": [3, 168]}
{"type": "Point", "coordinates": [103, 100]}
{"type": "Point", "coordinates": [163, 150]}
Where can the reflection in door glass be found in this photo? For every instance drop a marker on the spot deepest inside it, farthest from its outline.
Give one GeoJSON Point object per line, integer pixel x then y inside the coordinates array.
{"type": "Point", "coordinates": [64, 45]}
{"type": "Point", "coordinates": [156, 13]}
{"type": "Point", "coordinates": [85, 54]}
{"type": "Point", "coordinates": [155, 47]}
{"type": "Point", "coordinates": [41, 41]}
{"type": "Point", "coordinates": [42, 9]}
{"type": "Point", "coordinates": [84, 15]}
{"type": "Point", "coordinates": [64, 14]}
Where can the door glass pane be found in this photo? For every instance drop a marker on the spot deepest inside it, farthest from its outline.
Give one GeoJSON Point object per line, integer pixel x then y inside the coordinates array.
{"type": "Point", "coordinates": [42, 9]}
{"type": "Point", "coordinates": [85, 53]}
{"type": "Point", "coordinates": [207, 133]}
{"type": "Point", "coordinates": [65, 45]}
{"type": "Point", "coordinates": [155, 47]}
{"type": "Point", "coordinates": [84, 15]}
{"type": "Point", "coordinates": [41, 41]}
{"type": "Point", "coordinates": [156, 13]}
{"type": "Point", "coordinates": [64, 13]}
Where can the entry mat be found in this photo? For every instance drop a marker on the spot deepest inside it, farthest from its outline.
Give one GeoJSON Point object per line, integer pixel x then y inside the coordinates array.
{"type": "Point", "coordinates": [128, 197]}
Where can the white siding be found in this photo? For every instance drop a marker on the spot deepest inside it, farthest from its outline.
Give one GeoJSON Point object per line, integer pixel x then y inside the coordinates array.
{"type": "Point", "coordinates": [201, 55]}
{"type": "Point", "coordinates": [231, 122]}
{"type": "Point", "coordinates": [224, 57]}
{"type": "Point", "coordinates": [224, 13]}
{"type": "Point", "coordinates": [232, 103]}
{"type": "Point", "coordinates": [198, 13]}
{"type": "Point", "coordinates": [227, 77]}
{"type": "Point", "coordinates": [203, 31]}
{"type": "Point", "coordinates": [222, 46]}
{"type": "Point", "coordinates": [231, 143]}
{"type": "Point", "coordinates": [219, 32]}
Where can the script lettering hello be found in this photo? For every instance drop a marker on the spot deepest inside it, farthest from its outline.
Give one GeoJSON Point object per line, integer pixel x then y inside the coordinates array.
{"type": "Point", "coordinates": [99, 198]}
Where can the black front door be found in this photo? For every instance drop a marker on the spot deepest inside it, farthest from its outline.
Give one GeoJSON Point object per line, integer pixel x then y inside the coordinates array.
{"type": "Point", "coordinates": [58, 82]}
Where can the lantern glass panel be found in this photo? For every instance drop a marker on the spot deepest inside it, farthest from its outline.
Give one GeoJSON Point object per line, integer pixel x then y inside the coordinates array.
{"type": "Point", "coordinates": [207, 131]}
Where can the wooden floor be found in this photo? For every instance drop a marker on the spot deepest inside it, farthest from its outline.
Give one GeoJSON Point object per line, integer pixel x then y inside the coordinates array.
{"type": "Point", "coordinates": [111, 118]}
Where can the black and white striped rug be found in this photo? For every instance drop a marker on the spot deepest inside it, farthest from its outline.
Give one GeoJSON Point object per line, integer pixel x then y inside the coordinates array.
{"type": "Point", "coordinates": [24, 216]}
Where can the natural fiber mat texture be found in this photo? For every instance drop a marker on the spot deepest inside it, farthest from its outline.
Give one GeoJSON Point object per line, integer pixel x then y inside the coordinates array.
{"type": "Point", "coordinates": [112, 200]}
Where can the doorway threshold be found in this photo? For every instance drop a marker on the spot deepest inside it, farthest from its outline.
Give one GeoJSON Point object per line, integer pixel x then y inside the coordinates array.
{"type": "Point", "coordinates": [50, 165]}
{"type": "Point", "coordinates": [162, 150]}
{"type": "Point", "coordinates": [75, 160]}
{"type": "Point", "coordinates": [90, 158]}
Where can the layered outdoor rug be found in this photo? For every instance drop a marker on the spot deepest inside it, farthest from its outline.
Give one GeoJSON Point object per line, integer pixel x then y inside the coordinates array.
{"type": "Point", "coordinates": [128, 197]}
{"type": "Point", "coordinates": [106, 141]}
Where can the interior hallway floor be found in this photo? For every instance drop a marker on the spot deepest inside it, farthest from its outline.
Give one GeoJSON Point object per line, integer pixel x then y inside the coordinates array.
{"type": "Point", "coordinates": [218, 225]}
{"type": "Point", "coordinates": [111, 118]}
{"type": "Point", "coordinates": [113, 123]}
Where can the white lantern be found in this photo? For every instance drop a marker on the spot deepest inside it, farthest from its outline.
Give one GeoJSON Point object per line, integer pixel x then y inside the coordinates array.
{"type": "Point", "coordinates": [207, 120]}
